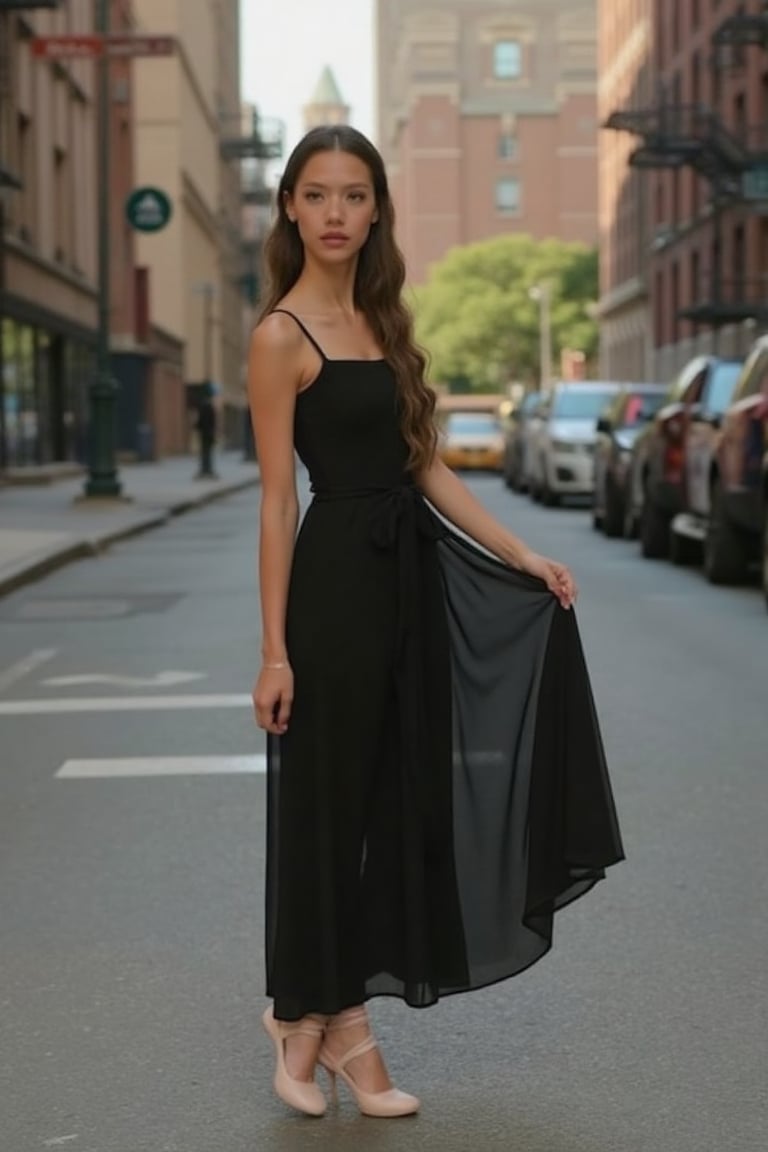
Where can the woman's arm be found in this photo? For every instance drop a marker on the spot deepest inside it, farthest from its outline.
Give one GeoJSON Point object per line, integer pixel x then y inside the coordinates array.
{"type": "Point", "coordinates": [443, 488]}
{"type": "Point", "coordinates": [274, 375]}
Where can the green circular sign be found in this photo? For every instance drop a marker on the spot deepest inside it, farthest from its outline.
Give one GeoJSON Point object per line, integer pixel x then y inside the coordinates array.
{"type": "Point", "coordinates": [148, 209]}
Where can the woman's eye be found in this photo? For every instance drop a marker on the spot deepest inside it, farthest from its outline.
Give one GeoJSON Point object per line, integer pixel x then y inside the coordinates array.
{"type": "Point", "coordinates": [313, 195]}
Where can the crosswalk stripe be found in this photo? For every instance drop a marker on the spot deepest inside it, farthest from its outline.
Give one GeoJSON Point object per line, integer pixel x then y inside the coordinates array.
{"type": "Point", "coordinates": [132, 766]}
{"type": "Point", "coordinates": [122, 704]}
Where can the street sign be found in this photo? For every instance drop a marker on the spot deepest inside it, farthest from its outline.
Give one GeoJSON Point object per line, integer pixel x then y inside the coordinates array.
{"type": "Point", "coordinates": [148, 209]}
{"type": "Point", "coordinates": [72, 47]}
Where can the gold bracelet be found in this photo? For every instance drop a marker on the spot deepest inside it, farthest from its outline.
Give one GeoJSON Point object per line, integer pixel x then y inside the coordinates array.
{"type": "Point", "coordinates": [275, 667]}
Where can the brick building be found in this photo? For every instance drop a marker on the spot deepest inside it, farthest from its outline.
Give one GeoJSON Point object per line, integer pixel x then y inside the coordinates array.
{"type": "Point", "coordinates": [488, 120]}
{"type": "Point", "coordinates": [696, 132]}
{"type": "Point", "coordinates": [625, 46]}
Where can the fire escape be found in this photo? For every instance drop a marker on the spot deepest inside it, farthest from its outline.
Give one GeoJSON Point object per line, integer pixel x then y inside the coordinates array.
{"type": "Point", "coordinates": [733, 162]}
{"type": "Point", "coordinates": [264, 141]}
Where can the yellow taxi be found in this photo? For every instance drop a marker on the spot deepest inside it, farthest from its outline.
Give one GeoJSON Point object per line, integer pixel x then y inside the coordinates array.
{"type": "Point", "coordinates": [472, 439]}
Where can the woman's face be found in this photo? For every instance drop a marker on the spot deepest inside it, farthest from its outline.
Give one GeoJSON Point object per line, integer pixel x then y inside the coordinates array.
{"type": "Point", "coordinates": [333, 205]}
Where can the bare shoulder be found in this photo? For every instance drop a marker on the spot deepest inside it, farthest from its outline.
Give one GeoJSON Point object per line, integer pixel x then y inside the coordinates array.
{"type": "Point", "coordinates": [276, 358]}
{"type": "Point", "coordinates": [277, 335]}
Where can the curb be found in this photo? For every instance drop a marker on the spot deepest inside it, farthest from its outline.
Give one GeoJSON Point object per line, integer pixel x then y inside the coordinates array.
{"type": "Point", "coordinates": [36, 569]}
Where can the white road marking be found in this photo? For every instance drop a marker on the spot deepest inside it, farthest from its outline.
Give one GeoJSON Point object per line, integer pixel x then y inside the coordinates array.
{"type": "Point", "coordinates": [169, 679]}
{"type": "Point", "coordinates": [23, 667]}
{"type": "Point", "coordinates": [122, 704]}
{"type": "Point", "coordinates": [132, 766]}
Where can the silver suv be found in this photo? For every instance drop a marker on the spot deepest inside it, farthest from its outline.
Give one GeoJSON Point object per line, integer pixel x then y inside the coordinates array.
{"type": "Point", "coordinates": [562, 457]}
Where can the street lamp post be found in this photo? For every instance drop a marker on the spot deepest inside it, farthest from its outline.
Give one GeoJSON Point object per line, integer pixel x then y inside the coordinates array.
{"type": "Point", "coordinates": [102, 472]}
{"type": "Point", "coordinates": [540, 293]}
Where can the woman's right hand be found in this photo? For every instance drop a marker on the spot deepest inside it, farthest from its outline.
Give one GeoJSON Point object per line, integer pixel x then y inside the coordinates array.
{"type": "Point", "coordinates": [272, 699]}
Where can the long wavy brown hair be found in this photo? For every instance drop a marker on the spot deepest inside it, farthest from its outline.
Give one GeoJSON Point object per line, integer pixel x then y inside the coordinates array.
{"type": "Point", "coordinates": [379, 282]}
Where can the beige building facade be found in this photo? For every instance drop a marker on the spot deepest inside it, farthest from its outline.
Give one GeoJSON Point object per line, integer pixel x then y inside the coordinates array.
{"type": "Point", "coordinates": [48, 248]}
{"type": "Point", "coordinates": [488, 120]}
{"type": "Point", "coordinates": [185, 108]}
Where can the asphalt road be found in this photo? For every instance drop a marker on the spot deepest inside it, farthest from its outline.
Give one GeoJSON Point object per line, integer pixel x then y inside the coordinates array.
{"type": "Point", "coordinates": [131, 857]}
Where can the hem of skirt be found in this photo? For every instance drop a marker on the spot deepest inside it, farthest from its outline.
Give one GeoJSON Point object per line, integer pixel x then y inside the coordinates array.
{"type": "Point", "coordinates": [464, 989]}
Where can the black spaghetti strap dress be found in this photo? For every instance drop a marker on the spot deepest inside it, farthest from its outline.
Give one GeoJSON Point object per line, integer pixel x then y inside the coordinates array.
{"type": "Point", "coordinates": [442, 789]}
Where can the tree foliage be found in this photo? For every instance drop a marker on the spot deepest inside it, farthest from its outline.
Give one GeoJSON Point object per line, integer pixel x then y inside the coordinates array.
{"type": "Point", "coordinates": [476, 319]}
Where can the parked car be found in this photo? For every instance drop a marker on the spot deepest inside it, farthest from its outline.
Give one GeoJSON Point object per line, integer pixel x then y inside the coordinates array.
{"type": "Point", "coordinates": [472, 440]}
{"type": "Point", "coordinates": [764, 517]}
{"type": "Point", "coordinates": [657, 481]}
{"type": "Point", "coordinates": [733, 495]}
{"type": "Point", "coordinates": [618, 426]}
{"type": "Point", "coordinates": [519, 422]}
{"type": "Point", "coordinates": [702, 438]}
{"type": "Point", "coordinates": [562, 447]}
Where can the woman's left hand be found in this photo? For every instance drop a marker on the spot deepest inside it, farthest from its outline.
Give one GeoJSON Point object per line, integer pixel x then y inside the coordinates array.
{"type": "Point", "coordinates": [556, 576]}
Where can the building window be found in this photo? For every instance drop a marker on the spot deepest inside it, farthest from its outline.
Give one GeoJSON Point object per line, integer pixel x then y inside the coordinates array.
{"type": "Point", "coordinates": [25, 205]}
{"type": "Point", "coordinates": [696, 285]}
{"type": "Point", "coordinates": [508, 196]}
{"type": "Point", "coordinates": [61, 206]}
{"type": "Point", "coordinates": [659, 309]}
{"type": "Point", "coordinates": [507, 59]}
{"type": "Point", "coordinates": [738, 261]}
{"type": "Point", "coordinates": [508, 146]}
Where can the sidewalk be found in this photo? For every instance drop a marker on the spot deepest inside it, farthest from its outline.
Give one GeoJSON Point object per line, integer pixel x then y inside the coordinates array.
{"type": "Point", "coordinates": [43, 527]}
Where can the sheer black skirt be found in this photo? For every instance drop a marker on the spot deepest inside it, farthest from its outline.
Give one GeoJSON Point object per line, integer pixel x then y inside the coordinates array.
{"type": "Point", "coordinates": [442, 789]}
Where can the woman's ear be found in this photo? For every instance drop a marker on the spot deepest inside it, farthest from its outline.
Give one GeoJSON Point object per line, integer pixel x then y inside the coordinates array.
{"type": "Point", "coordinates": [288, 207]}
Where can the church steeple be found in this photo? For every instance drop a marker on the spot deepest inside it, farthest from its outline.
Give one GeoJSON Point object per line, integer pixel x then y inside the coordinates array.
{"type": "Point", "coordinates": [326, 105]}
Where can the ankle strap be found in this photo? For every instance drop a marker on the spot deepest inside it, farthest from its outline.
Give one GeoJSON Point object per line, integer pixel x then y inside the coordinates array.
{"type": "Point", "coordinates": [309, 1026]}
{"type": "Point", "coordinates": [350, 1018]}
{"type": "Point", "coordinates": [360, 1049]}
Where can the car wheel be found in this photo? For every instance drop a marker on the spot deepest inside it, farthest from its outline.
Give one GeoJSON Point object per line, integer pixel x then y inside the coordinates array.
{"type": "Point", "coordinates": [654, 530]}
{"type": "Point", "coordinates": [546, 495]}
{"type": "Point", "coordinates": [613, 521]}
{"type": "Point", "coordinates": [548, 498]}
{"type": "Point", "coordinates": [683, 550]}
{"type": "Point", "coordinates": [519, 483]}
{"type": "Point", "coordinates": [630, 519]}
{"type": "Point", "coordinates": [725, 559]}
{"type": "Point", "coordinates": [597, 520]}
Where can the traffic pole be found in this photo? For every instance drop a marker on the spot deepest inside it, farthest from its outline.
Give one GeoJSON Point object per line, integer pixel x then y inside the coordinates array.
{"type": "Point", "coordinates": [102, 478]}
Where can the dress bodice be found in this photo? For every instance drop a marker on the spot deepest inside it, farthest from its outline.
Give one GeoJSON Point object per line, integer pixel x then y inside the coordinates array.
{"type": "Point", "coordinates": [347, 427]}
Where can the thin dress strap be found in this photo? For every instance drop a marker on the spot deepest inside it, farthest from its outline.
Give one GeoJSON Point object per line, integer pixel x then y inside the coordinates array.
{"type": "Point", "coordinates": [304, 329]}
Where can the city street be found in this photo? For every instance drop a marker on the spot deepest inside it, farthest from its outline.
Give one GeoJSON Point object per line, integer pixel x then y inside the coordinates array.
{"type": "Point", "coordinates": [132, 823]}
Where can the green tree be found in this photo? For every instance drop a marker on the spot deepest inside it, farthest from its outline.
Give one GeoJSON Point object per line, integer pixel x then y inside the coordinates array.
{"type": "Point", "coordinates": [476, 319]}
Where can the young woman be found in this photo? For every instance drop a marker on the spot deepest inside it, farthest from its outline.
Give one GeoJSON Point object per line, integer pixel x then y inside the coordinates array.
{"type": "Point", "coordinates": [436, 780]}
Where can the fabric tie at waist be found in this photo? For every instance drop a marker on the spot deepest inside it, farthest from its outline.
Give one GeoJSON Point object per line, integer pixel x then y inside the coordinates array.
{"type": "Point", "coordinates": [399, 517]}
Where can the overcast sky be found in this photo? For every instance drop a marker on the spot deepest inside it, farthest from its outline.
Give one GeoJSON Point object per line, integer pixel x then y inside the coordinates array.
{"type": "Point", "coordinates": [287, 43]}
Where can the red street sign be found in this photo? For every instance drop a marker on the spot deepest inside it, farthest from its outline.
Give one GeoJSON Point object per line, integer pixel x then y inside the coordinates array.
{"type": "Point", "coordinates": [70, 47]}
{"type": "Point", "coordinates": [140, 45]}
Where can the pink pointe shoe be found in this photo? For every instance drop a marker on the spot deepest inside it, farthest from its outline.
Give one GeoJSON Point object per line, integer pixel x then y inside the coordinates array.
{"type": "Point", "coordinates": [390, 1103]}
{"type": "Point", "coordinates": [304, 1095]}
